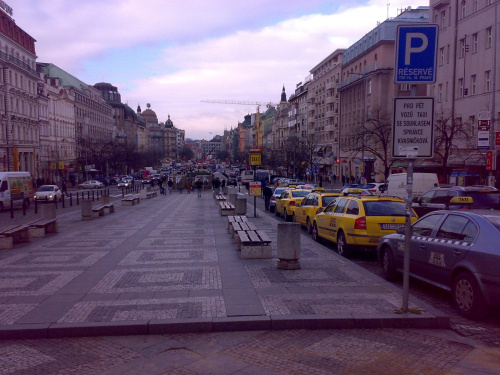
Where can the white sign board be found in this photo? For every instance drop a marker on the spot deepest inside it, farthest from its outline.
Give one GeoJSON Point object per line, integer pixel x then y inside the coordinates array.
{"type": "Point", "coordinates": [413, 127]}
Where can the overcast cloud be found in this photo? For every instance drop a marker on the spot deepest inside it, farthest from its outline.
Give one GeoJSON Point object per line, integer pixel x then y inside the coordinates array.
{"type": "Point", "coordinates": [174, 53]}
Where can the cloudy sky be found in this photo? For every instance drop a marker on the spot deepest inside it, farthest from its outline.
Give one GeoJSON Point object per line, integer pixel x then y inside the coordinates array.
{"type": "Point", "coordinates": [175, 53]}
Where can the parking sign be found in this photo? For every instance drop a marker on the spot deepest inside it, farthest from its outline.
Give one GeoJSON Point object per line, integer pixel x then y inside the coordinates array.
{"type": "Point", "coordinates": [416, 53]}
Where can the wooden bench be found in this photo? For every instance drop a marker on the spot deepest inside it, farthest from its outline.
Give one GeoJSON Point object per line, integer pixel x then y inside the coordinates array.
{"type": "Point", "coordinates": [237, 219]}
{"type": "Point", "coordinates": [16, 233]}
{"type": "Point", "coordinates": [240, 226]}
{"type": "Point", "coordinates": [131, 200]}
{"type": "Point", "coordinates": [40, 227]}
{"type": "Point", "coordinates": [103, 209]}
{"type": "Point", "coordinates": [150, 194]}
{"type": "Point", "coordinates": [220, 198]}
{"type": "Point", "coordinates": [226, 208]}
{"type": "Point", "coordinates": [254, 244]}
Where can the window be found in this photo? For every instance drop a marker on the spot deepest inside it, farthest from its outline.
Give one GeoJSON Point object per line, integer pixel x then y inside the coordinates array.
{"type": "Point", "coordinates": [443, 19]}
{"type": "Point", "coordinates": [476, 5]}
{"type": "Point", "coordinates": [489, 37]}
{"type": "Point", "coordinates": [473, 84]}
{"type": "Point", "coordinates": [425, 226]}
{"type": "Point", "coordinates": [460, 87]}
{"type": "Point", "coordinates": [457, 228]}
{"type": "Point", "coordinates": [487, 81]}
{"type": "Point", "coordinates": [440, 92]}
{"type": "Point", "coordinates": [474, 43]}
{"type": "Point", "coordinates": [340, 206]}
{"type": "Point", "coordinates": [441, 56]}
{"type": "Point", "coordinates": [462, 48]}
{"type": "Point", "coordinates": [463, 9]}
{"type": "Point", "coordinates": [353, 208]}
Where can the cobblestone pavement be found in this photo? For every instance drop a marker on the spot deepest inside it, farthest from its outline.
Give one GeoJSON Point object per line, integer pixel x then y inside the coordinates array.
{"type": "Point", "coordinates": [378, 351]}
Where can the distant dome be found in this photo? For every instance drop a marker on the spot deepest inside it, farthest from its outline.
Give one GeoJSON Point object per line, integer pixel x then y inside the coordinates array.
{"type": "Point", "coordinates": [169, 123]}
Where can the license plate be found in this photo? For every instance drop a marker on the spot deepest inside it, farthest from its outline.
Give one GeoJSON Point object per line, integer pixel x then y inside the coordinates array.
{"type": "Point", "coordinates": [391, 226]}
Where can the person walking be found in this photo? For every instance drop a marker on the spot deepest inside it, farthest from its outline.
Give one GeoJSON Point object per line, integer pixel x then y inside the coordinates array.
{"type": "Point", "coordinates": [181, 184]}
{"type": "Point", "coordinates": [268, 193]}
{"type": "Point", "coordinates": [198, 185]}
{"type": "Point", "coordinates": [170, 183]}
{"type": "Point", "coordinates": [188, 186]}
{"type": "Point", "coordinates": [64, 189]}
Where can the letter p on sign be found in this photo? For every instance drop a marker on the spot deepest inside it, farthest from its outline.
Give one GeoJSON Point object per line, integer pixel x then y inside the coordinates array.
{"type": "Point", "coordinates": [409, 49]}
{"type": "Point", "coordinates": [416, 53]}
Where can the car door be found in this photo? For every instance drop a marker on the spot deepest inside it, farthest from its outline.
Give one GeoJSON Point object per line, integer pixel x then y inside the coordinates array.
{"type": "Point", "coordinates": [301, 210]}
{"type": "Point", "coordinates": [421, 235]}
{"type": "Point", "coordinates": [448, 246]}
{"type": "Point", "coordinates": [421, 206]}
{"type": "Point", "coordinates": [323, 221]}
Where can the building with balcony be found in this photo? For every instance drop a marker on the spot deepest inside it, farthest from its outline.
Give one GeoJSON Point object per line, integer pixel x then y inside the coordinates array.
{"type": "Point", "coordinates": [19, 119]}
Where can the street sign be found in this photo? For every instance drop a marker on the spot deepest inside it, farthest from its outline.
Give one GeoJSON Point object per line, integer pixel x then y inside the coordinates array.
{"type": "Point", "coordinates": [255, 188]}
{"type": "Point", "coordinates": [483, 134]}
{"type": "Point", "coordinates": [416, 53]}
{"type": "Point", "coordinates": [255, 158]}
{"type": "Point", "coordinates": [413, 127]}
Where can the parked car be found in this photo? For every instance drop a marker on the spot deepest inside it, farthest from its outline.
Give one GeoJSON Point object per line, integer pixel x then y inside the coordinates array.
{"type": "Point", "coordinates": [104, 180]}
{"type": "Point", "coordinates": [311, 205]}
{"type": "Point", "coordinates": [276, 194]}
{"type": "Point", "coordinates": [440, 199]}
{"type": "Point", "coordinates": [232, 181]}
{"type": "Point", "coordinates": [91, 184]}
{"type": "Point", "coordinates": [288, 202]}
{"type": "Point", "coordinates": [454, 250]}
{"type": "Point", "coordinates": [48, 193]}
{"type": "Point", "coordinates": [374, 187]}
{"type": "Point", "coordinates": [357, 222]}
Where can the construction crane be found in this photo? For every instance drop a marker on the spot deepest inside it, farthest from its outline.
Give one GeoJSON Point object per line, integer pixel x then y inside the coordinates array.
{"type": "Point", "coordinates": [258, 104]}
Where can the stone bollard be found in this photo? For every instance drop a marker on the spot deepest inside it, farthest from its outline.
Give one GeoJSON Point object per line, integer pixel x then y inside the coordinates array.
{"type": "Point", "coordinates": [86, 210]}
{"type": "Point", "coordinates": [288, 246]}
{"type": "Point", "coordinates": [104, 198]}
{"type": "Point", "coordinates": [48, 211]}
{"type": "Point", "coordinates": [225, 190]}
{"type": "Point", "coordinates": [240, 207]}
{"type": "Point", "coordinates": [231, 197]}
{"type": "Point", "coordinates": [143, 194]}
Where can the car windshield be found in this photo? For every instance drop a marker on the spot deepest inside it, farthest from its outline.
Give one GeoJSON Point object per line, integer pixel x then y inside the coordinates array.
{"type": "Point", "coordinates": [495, 220]}
{"type": "Point", "coordinates": [278, 191]}
{"type": "Point", "coordinates": [299, 193]}
{"type": "Point", "coordinates": [327, 200]}
{"type": "Point", "coordinates": [385, 208]}
{"type": "Point", "coordinates": [46, 188]}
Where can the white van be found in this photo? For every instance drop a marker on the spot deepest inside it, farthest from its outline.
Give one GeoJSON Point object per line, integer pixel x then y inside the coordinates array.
{"type": "Point", "coordinates": [422, 182]}
{"type": "Point", "coordinates": [15, 186]}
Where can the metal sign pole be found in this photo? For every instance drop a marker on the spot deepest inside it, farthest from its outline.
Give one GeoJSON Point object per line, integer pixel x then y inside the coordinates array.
{"type": "Point", "coordinates": [406, 262]}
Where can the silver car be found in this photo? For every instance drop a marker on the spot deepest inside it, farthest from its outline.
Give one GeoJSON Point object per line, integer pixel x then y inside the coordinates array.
{"type": "Point", "coordinates": [457, 251]}
{"type": "Point", "coordinates": [276, 194]}
{"type": "Point", "coordinates": [91, 184]}
{"type": "Point", "coordinates": [48, 193]}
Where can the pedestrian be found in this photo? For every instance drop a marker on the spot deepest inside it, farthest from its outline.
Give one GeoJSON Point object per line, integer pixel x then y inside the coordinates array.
{"type": "Point", "coordinates": [198, 185]}
{"type": "Point", "coordinates": [223, 184]}
{"type": "Point", "coordinates": [188, 186]}
{"type": "Point", "coordinates": [320, 182]}
{"type": "Point", "coordinates": [170, 183]}
{"type": "Point", "coordinates": [268, 193]}
{"type": "Point", "coordinates": [63, 189]}
{"type": "Point", "coordinates": [217, 185]}
{"type": "Point", "coordinates": [162, 185]}
{"type": "Point", "coordinates": [181, 184]}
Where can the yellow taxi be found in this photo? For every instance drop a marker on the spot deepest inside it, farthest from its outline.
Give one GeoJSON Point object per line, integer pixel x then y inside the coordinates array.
{"type": "Point", "coordinates": [359, 221]}
{"type": "Point", "coordinates": [312, 204]}
{"type": "Point", "coordinates": [288, 201]}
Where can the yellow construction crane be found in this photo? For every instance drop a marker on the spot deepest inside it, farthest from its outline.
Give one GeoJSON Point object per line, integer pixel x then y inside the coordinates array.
{"type": "Point", "coordinates": [258, 104]}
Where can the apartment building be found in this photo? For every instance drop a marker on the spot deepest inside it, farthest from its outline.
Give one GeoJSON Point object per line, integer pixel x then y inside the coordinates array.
{"type": "Point", "coordinates": [366, 91]}
{"type": "Point", "coordinates": [467, 88]}
{"type": "Point", "coordinates": [19, 139]}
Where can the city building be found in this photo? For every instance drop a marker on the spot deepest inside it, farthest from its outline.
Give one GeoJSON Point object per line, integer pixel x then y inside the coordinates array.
{"type": "Point", "coordinates": [19, 119]}
{"type": "Point", "coordinates": [466, 92]}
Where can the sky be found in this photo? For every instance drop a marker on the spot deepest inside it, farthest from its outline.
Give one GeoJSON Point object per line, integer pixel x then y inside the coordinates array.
{"type": "Point", "coordinates": [173, 54]}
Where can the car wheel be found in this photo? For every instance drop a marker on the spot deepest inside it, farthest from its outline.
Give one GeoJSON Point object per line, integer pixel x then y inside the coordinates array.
{"type": "Point", "coordinates": [271, 209]}
{"type": "Point", "coordinates": [309, 226]}
{"type": "Point", "coordinates": [467, 297]}
{"type": "Point", "coordinates": [96, 187]}
{"type": "Point", "coordinates": [276, 213]}
{"type": "Point", "coordinates": [388, 265]}
{"type": "Point", "coordinates": [285, 214]}
{"type": "Point", "coordinates": [294, 219]}
{"type": "Point", "coordinates": [315, 234]}
{"type": "Point", "coordinates": [342, 247]}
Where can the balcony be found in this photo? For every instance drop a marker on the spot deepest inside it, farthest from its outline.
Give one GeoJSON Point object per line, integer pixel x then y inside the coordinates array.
{"type": "Point", "coordinates": [330, 86]}
{"type": "Point", "coordinates": [311, 107]}
{"type": "Point", "coordinates": [311, 120]}
{"type": "Point", "coordinates": [330, 128]}
{"type": "Point", "coordinates": [330, 100]}
{"type": "Point", "coordinates": [330, 114]}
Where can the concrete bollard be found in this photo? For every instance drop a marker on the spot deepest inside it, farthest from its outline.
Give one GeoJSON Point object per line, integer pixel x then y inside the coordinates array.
{"type": "Point", "coordinates": [225, 190]}
{"type": "Point", "coordinates": [288, 246]}
{"type": "Point", "coordinates": [48, 211]}
{"type": "Point", "coordinates": [231, 197]}
{"type": "Point", "coordinates": [104, 198]}
{"type": "Point", "coordinates": [86, 210]}
{"type": "Point", "coordinates": [240, 207]}
{"type": "Point", "coordinates": [143, 194]}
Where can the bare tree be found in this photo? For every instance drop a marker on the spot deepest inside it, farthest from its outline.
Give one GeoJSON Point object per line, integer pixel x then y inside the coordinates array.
{"type": "Point", "coordinates": [374, 138]}
{"type": "Point", "coordinates": [451, 135]}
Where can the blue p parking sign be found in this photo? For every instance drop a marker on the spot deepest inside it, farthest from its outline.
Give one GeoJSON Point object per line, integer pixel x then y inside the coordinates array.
{"type": "Point", "coordinates": [416, 53]}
